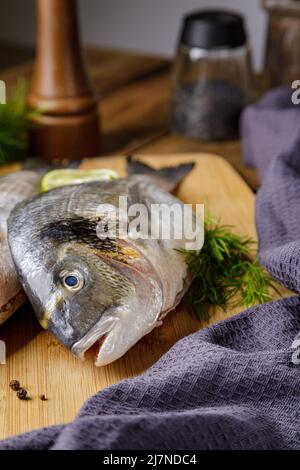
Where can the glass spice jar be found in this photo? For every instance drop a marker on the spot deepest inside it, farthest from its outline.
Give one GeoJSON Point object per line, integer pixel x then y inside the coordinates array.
{"type": "Point", "coordinates": [211, 76]}
{"type": "Point", "coordinates": [282, 64]}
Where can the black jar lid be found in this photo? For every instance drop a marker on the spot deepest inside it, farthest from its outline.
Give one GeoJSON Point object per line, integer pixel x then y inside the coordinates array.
{"type": "Point", "coordinates": [209, 29]}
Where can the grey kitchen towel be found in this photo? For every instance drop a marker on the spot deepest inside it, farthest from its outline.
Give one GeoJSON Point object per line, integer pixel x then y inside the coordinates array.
{"type": "Point", "coordinates": [236, 384]}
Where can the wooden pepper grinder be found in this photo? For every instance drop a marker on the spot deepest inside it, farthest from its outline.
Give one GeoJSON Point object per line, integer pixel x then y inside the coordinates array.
{"type": "Point", "coordinates": [68, 125]}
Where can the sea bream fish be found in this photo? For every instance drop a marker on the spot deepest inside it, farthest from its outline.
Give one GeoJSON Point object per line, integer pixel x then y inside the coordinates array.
{"type": "Point", "coordinates": [86, 288]}
{"type": "Point", "coordinates": [14, 188]}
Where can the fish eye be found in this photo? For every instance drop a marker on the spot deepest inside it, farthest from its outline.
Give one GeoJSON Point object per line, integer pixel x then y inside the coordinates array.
{"type": "Point", "coordinates": [72, 281]}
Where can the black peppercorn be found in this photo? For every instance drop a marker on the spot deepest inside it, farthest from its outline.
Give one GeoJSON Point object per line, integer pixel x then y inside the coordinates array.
{"type": "Point", "coordinates": [14, 385]}
{"type": "Point", "coordinates": [22, 394]}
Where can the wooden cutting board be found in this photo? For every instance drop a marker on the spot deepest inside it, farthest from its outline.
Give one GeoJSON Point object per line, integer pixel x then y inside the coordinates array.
{"type": "Point", "coordinates": [43, 366]}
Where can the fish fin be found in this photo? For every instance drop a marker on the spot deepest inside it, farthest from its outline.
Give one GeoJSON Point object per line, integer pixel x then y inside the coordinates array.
{"type": "Point", "coordinates": [168, 177]}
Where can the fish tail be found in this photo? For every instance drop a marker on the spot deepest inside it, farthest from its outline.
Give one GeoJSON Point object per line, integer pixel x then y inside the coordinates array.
{"type": "Point", "coordinates": [168, 177]}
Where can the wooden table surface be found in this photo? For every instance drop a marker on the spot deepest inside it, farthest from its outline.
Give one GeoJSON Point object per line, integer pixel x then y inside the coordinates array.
{"type": "Point", "coordinates": [134, 99]}
{"type": "Point", "coordinates": [42, 365]}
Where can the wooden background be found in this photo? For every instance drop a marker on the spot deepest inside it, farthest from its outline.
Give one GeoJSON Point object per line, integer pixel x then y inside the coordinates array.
{"type": "Point", "coordinates": [134, 99]}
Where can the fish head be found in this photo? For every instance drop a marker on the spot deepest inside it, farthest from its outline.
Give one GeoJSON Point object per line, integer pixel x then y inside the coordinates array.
{"type": "Point", "coordinates": [84, 289]}
{"type": "Point", "coordinates": [79, 299]}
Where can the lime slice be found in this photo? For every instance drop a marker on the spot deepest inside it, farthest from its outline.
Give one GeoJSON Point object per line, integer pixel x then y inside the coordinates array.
{"type": "Point", "coordinates": [63, 177]}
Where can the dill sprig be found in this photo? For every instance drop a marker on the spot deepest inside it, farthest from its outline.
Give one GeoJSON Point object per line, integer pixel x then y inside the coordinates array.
{"type": "Point", "coordinates": [15, 122]}
{"type": "Point", "coordinates": [224, 273]}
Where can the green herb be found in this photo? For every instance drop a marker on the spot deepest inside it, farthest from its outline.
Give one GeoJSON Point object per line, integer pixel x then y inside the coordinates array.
{"type": "Point", "coordinates": [15, 122]}
{"type": "Point", "coordinates": [224, 272]}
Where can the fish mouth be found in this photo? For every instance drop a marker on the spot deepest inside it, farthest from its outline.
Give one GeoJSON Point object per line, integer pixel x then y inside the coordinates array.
{"type": "Point", "coordinates": [113, 338]}
{"type": "Point", "coordinates": [120, 328]}
{"type": "Point", "coordinates": [97, 333]}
